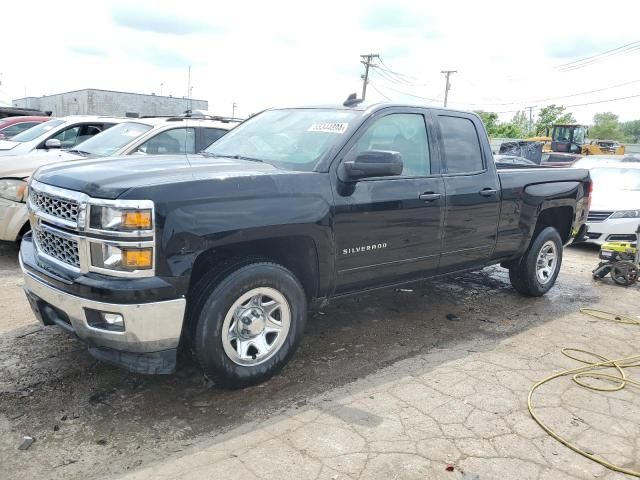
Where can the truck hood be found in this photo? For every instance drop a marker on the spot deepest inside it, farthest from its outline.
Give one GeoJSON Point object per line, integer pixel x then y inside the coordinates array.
{"type": "Point", "coordinates": [24, 165]}
{"type": "Point", "coordinates": [111, 178]}
{"type": "Point", "coordinates": [609, 200]}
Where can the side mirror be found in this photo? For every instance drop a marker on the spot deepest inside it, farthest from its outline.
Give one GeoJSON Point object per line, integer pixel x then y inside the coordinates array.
{"type": "Point", "coordinates": [374, 163]}
{"type": "Point", "coordinates": [53, 143]}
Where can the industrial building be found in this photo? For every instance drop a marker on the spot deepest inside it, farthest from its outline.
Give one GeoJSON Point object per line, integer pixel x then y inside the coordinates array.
{"type": "Point", "coordinates": [93, 101]}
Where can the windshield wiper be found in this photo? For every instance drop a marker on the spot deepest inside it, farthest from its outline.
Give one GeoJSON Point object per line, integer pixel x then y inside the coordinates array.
{"type": "Point", "coordinates": [235, 157]}
{"type": "Point", "coordinates": [79, 152]}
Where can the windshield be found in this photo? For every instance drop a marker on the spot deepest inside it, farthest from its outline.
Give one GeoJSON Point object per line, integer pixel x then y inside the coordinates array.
{"type": "Point", "coordinates": [616, 179]}
{"type": "Point", "coordinates": [37, 131]}
{"type": "Point", "coordinates": [110, 141]}
{"type": "Point", "coordinates": [291, 138]}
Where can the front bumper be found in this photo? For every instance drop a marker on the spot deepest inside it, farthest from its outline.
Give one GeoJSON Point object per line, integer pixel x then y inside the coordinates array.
{"type": "Point", "coordinates": [151, 333]}
{"type": "Point", "coordinates": [13, 216]}
{"type": "Point", "coordinates": [617, 229]}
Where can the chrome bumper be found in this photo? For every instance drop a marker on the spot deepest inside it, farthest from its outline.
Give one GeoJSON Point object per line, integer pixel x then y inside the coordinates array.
{"type": "Point", "coordinates": [149, 327]}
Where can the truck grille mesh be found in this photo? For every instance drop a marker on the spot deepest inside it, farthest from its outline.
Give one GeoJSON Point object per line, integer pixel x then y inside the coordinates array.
{"type": "Point", "coordinates": [56, 207]}
{"type": "Point", "coordinates": [60, 248]}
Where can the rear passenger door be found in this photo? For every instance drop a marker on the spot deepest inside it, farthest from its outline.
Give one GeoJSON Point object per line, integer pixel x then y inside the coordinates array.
{"type": "Point", "coordinates": [472, 204]}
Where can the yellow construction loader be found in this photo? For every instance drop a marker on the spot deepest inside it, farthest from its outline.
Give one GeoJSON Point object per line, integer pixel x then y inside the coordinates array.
{"type": "Point", "coordinates": [571, 138]}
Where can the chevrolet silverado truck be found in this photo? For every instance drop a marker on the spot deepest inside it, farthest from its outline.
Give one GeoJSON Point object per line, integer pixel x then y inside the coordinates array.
{"type": "Point", "coordinates": [221, 254]}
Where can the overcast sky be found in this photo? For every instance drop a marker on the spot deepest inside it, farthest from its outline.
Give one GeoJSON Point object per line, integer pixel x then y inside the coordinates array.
{"type": "Point", "coordinates": [270, 53]}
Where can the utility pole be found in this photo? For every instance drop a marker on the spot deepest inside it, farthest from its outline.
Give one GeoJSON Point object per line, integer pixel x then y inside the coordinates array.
{"type": "Point", "coordinates": [367, 61]}
{"type": "Point", "coordinates": [189, 89]}
{"type": "Point", "coordinates": [531, 118]}
{"type": "Point", "coordinates": [447, 85]}
{"type": "Point", "coordinates": [161, 87]}
{"type": "Point", "coordinates": [233, 110]}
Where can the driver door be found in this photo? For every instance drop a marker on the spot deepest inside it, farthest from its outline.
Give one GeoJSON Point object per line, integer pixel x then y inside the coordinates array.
{"type": "Point", "coordinates": [388, 229]}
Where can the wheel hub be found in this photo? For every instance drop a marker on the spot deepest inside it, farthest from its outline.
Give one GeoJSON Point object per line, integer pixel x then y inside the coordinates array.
{"type": "Point", "coordinates": [252, 322]}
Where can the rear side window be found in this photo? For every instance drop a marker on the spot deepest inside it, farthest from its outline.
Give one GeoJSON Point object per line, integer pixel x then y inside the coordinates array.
{"type": "Point", "coordinates": [461, 145]}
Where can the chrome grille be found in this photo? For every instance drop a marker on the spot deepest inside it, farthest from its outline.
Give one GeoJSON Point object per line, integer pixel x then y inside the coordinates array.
{"type": "Point", "coordinates": [56, 207]}
{"type": "Point", "coordinates": [62, 249]}
{"type": "Point", "coordinates": [598, 216]}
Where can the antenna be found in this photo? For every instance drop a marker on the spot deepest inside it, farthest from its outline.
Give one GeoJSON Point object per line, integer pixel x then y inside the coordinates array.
{"type": "Point", "coordinates": [352, 100]}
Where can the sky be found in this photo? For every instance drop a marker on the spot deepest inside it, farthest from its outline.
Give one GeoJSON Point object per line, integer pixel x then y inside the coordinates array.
{"type": "Point", "coordinates": [279, 53]}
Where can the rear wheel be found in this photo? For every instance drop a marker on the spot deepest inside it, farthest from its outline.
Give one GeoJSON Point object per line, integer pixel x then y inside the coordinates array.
{"type": "Point", "coordinates": [537, 270]}
{"type": "Point", "coordinates": [249, 323]}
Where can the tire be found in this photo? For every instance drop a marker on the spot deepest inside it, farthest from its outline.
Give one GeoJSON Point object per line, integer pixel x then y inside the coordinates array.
{"type": "Point", "coordinates": [251, 331]}
{"type": "Point", "coordinates": [525, 275]}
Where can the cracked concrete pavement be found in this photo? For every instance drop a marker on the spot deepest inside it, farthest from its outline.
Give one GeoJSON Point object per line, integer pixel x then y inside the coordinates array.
{"type": "Point", "coordinates": [463, 406]}
{"type": "Point", "coordinates": [383, 387]}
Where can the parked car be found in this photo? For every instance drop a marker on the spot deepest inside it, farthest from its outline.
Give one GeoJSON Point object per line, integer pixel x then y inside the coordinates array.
{"type": "Point", "coordinates": [222, 252]}
{"type": "Point", "coordinates": [12, 126]}
{"type": "Point", "coordinates": [615, 205]}
{"type": "Point", "coordinates": [513, 160]}
{"type": "Point", "coordinates": [143, 136]}
{"type": "Point", "coordinates": [57, 133]}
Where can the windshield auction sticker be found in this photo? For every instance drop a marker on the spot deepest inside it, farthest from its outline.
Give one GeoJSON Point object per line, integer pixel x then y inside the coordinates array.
{"type": "Point", "coordinates": [329, 127]}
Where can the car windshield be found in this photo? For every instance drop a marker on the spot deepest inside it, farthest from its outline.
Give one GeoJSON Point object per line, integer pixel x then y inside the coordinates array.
{"type": "Point", "coordinates": [616, 179]}
{"type": "Point", "coordinates": [110, 141]}
{"type": "Point", "coordinates": [290, 138]}
{"type": "Point", "coordinates": [37, 131]}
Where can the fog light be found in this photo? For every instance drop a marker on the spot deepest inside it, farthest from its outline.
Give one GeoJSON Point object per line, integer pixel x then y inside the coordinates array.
{"type": "Point", "coordinates": [113, 322]}
{"type": "Point", "coordinates": [113, 319]}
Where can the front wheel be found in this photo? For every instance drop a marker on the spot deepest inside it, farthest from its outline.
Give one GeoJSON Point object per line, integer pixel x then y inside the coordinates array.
{"type": "Point", "coordinates": [249, 324]}
{"type": "Point", "coordinates": [537, 270]}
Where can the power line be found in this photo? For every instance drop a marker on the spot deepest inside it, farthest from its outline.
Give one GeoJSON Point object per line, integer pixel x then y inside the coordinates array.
{"type": "Point", "coordinates": [374, 87]}
{"type": "Point", "coordinates": [552, 98]}
{"type": "Point", "coordinates": [614, 51]}
{"type": "Point", "coordinates": [584, 104]}
{"type": "Point", "coordinates": [410, 94]}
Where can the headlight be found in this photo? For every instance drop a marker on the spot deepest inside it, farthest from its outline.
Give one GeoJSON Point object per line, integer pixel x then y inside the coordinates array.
{"type": "Point", "coordinates": [14, 189]}
{"type": "Point", "coordinates": [120, 219]}
{"type": "Point", "coordinates": [121, 258]}
{"type": "Point", "coordinates": [626, 214]}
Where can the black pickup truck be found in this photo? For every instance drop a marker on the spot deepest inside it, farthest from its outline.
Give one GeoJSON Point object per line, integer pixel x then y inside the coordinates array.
{"type": "Point", "coordinates": [222, 253]}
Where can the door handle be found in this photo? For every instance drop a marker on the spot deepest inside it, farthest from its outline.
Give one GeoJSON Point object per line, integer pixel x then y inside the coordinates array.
{"type": "Point", "coordinates": [429, 197]}
{"type": "Point", "coordinates": [488, 192]}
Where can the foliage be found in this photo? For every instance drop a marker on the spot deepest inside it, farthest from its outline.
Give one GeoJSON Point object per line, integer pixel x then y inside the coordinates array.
{"type": "Point", "coordinates": [605, 127]}
{"type": "Point", "coordinates": [631, 131]}
{"type": "Point", "coordinates": [550, 115]}
{"type": "Point", "coordinates": [515, 128]}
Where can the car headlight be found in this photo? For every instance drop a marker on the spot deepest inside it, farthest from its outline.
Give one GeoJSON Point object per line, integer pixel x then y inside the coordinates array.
{"type": "Point", "coordinates": [14, 189]}
{"type": "Point", "coordinates": [626, 214]}
{"type": "Point", "coordinates": [120, 219]}
{"type": "Point", "coordinates": [121, 258]}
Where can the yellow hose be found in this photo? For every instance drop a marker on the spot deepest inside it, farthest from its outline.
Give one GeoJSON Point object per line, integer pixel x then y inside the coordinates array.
{"type": "Point", "coordinates": [591, 370]}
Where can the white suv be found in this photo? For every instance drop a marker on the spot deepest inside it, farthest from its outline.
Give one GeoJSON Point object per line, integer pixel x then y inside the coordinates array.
{"type": "Point", "coordinates": [139, 136]}
{"type": "Point", "coordinates": [57, 133]}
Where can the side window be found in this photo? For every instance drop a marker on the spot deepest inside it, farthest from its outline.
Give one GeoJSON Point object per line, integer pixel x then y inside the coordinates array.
{"type": "Point", "coordinates": [405, 133]}
{"type": "Point", "coordinates": [461, 145]}
{"type": "Point", "coordinates": [175, 141]}
{"type": "Point", "coordinates": [17, 128]}
{"type": "Point", "coordinates": [210, 135]}
{"type": "Point", "coordinates": [68, 136]}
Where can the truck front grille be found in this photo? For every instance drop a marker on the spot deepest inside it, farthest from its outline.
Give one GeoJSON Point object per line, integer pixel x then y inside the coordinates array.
{"type": "Point", "coordinates": [63, 249]}
{"type": "Point", "coordinates": [598, 216]}
{"type": "Point", "coordinates": [64, 209]}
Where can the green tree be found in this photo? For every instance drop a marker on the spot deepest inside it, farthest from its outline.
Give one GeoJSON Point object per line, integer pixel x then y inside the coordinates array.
{"type": "Point", "coordinates": [606, 127]}
{"type": "Point", "coordinates": [490, 120]}
{"type": "Point", "coordinates": [550, 115]}
{"type": "Point", "coordinates": [631, 131]}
